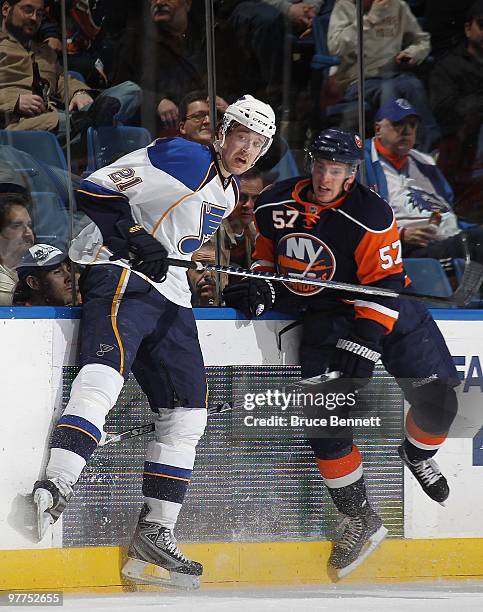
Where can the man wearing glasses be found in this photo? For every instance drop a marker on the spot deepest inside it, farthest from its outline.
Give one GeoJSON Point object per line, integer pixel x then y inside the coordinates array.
{"type": "Point", "coordinates": [33, 84]}
{"type": "Point", "coordinates": [194, 114]}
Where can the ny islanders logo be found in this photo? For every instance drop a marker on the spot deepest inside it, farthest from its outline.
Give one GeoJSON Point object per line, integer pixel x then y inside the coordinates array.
{"type": "Point", "coordinates": [210, 219]}
{"type": "Point", "coordinates": [305, 256]}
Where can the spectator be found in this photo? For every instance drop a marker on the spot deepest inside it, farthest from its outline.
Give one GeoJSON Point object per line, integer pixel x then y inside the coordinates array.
{"type": "Point", "coordinates": [82, 31]}
{"type": "Point", "coordinates": [168, 61]}
{"type": "Point", "coordinates": [203, 284]}
{"type": "Point", "coordinates": [238, 230]}
{"type": "Point", "coordinates": [29, 102]}
{"type": "Point", "coordinates": [393, 43]}
{"type": "Point", "coordinates": [16, 236]}
{"type": "Point", "coordinates": [414, 187]}
{"type": "Point", "coordinates": [444, 20]}
{"type": "Point", "coordinates": [194, 116]}
{"type": "Point", "coordinates": [256, 31]}
{"type": "Point", "coordinates": [456, 89]}
{"type": "Point", "coordinates": [45, 278]}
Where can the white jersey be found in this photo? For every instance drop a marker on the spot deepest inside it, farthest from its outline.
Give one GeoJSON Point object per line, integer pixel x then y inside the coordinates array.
{"type": "Point", "coordinates": [416, 191]}
{"type": "Point", "coordinates": [175, 190]}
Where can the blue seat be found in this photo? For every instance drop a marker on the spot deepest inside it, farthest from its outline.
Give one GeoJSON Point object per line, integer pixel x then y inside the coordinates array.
{"type": "Point", "coordinates": [106, 144]}
{"type": "Point", "coordinates": [42, 146]}
{"type": "Point", "coordinates": [287, 166]}
{"type": "Point", "coordinates": [50, 219]}
{"type": "Point", "coordinates": [428, 276]}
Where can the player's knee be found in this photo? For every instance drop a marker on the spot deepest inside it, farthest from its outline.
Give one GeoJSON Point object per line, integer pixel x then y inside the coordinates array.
{"type": "Point", "coordinates": [94, 392]}
{"type": "Point", "coordinates": [435, 407]}
{"type": "Point", "coordinates": [180, 426]}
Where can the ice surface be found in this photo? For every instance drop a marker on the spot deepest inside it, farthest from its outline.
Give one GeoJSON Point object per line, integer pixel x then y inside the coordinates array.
{"type": "Point", "coordinates": [440, 596]}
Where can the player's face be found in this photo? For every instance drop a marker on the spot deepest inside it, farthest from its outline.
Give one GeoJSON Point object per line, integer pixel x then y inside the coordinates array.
{"type": "Point", "coordinates": [329, 180]}
{"type": "Point", "coordinates": [24, 18]}
{"type": "Point", "coordinates": [398, 136]}
{"type": "Point", "coordinates": [241, 149]}
{"type": "Point", "coordinates": [16, 235]}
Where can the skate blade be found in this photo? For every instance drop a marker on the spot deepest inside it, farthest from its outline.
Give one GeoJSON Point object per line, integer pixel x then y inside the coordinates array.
{"type": "Point", "coordinates": [149, 573]}
{"type": "Point", "coordinates": [43, 501]}
{"type": "Point", "coordinates": [372, 544]}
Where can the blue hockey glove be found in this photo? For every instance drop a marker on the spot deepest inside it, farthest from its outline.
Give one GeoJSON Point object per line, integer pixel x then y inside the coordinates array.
{"type": "Point", "coordinates": [252, 296]}
{"type": "Point", "coordinates": [356, 359]}
{"type": "Point", "coordinates": [144, 252]}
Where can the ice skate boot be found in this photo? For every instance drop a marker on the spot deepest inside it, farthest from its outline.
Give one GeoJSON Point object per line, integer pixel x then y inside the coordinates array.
{"type": "Point", "coordinates": [428, 474]}
{"type": "Point", "coordinates": [50, 498]}
{"type": "Point", "coordinates": [360, 535]}
{"type": "Point", "coordinates": [154, 558]}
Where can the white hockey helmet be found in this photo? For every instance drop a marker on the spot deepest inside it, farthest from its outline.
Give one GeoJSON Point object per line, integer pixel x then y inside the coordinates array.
{"type": "Point", "coordinates": [253, 114]}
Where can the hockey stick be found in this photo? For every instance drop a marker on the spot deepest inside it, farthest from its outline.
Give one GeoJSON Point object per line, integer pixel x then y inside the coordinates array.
{"type": "Point", "coordinates": [465, 292]}
{"type": "Point", "coordinates": [149, 427]}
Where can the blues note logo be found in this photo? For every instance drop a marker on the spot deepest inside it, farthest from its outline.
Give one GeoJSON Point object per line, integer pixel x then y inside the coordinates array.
{"type": "Point", "coordinates": [210, 219]}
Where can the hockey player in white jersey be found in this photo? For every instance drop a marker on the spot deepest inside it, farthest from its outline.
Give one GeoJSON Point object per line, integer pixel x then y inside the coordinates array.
{"type": "Point", "coordinates": [162, 201]}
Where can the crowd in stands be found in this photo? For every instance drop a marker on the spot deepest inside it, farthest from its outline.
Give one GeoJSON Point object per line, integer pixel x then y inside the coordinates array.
{"type": "Point", "coordinates": [143, 65]}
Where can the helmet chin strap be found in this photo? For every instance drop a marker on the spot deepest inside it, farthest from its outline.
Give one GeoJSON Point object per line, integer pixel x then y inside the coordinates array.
{"type": "Point", "coordinates": [217, 145]}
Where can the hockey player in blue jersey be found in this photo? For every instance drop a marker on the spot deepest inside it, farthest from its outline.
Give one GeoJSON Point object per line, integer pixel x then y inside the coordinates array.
{"type": "Point", "coordinates": [330, 227]}
{"type": "Point", "coordinates": [162, 201]}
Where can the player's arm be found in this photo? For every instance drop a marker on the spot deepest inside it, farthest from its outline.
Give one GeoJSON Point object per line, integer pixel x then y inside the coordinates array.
{"type": "Point", "coordinates": [105, 207]}
{"type": "Point", "coordinates": [122, 235]}
{"type": "Point", "coordinates": [378, 258]}
{"type": "Point", "coordinates": [379, 263]}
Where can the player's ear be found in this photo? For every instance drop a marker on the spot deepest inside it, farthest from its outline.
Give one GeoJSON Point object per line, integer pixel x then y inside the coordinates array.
{"type": "Point", "coordinates": [349, 182]}
{"type": "Point", "coordinates": [377, 129]}
{"type": "Point", "coordinates": [181, 129]}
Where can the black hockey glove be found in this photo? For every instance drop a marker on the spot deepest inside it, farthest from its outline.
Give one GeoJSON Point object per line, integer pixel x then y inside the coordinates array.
{"type": "Point", "coordinates": [252, 296]}
{"type": "Point", "coordinates": [355, 359]}
{"type": "Point", "coordinates": [144, 252]}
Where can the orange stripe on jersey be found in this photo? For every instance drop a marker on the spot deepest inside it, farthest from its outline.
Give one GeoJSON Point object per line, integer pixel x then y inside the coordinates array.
{"type": "Point", "coordinates": [263, 249]}
{"type": "Point", "coordinates": [421, 436]}
{"type": "Point", "coordinates": [363, 312]}
{"type": "Point", "coordinates": [182, 199]}
{"type": "Point", "coordinates": [376, 253]}
{"type": "Point", "coordinates": [337, 468]}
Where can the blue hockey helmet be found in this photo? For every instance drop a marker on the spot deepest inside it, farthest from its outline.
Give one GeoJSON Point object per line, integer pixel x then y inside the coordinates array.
{"type": "Point", "coordinates": [337, 145]}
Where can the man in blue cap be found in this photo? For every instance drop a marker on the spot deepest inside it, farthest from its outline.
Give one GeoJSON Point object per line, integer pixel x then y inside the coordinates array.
{"type": "Point", "coordinates": [45, 278]}
{"type": "Point", "coordinates": [417, 191]}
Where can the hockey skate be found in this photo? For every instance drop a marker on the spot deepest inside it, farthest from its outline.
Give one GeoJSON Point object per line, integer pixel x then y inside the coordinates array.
{"type": "Point", "coordinates": [154, 558]}
{"type": "Point", "coordinates": [360, 536]}
{"type": "Point", "coordinates": [50, 498]}
{"type": "Point", "coordinates": [428, 474]}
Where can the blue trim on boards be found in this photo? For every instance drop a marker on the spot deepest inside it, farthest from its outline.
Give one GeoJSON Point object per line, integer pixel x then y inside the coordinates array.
{"type": "Point", "coordinates": [209, 314]}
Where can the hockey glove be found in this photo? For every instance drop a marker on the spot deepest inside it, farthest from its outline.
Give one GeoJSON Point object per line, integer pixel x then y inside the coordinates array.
{"type": "Point", "coordinates": [144, 252]}
{"type": "Point", "coordinates": [252, 296]}
{"type": "Point", "coordinates": [355, 359]}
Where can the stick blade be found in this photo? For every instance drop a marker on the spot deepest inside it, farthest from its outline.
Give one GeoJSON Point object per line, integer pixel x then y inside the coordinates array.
{"type": "Point", "coordinates": [470, 284]}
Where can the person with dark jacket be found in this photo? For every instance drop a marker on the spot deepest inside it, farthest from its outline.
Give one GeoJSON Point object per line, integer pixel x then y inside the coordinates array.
{"type": "Point", "coordinates": [167, 62]}
{"type": "Point", "coordinates": [456, 91]}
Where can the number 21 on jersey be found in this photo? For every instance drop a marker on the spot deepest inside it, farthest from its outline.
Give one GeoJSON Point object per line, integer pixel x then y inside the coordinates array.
{"type": "Point", "coordinates": [390, 255]}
